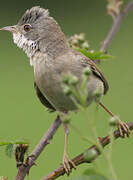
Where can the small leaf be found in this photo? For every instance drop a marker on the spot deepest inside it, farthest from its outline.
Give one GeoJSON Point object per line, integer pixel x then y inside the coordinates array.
{"type": "Point", "coordinates": [3, 143]}
{"type": "Point", "coordinates": [106, 56]}
{"type": "Point", "coordinates": [94, 55]}
{"type": "Point", "coordinates": [10, 148]}
{"type": "Point", "coordinates": [83, 51]}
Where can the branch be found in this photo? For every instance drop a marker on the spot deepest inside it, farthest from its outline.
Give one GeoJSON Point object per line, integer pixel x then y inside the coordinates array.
{"type": "Point", "coordinates": [80, 158]}
{"type": "Point", "coordinates": [116, 24]}
{"type": "Point", "coordinates": [23, 170]}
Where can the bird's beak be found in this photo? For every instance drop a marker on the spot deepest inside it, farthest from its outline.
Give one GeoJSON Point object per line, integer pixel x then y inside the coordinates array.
{"type": "Point", "coordinates": [12, 29]}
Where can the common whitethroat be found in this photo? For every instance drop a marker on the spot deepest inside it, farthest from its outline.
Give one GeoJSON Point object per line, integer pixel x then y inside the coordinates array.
{"type": "Point", "coordinates": [40, 36]}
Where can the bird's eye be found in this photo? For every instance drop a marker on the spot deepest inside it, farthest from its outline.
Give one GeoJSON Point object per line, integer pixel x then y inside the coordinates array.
{"type": "Point", "coordinates": [27, 27]}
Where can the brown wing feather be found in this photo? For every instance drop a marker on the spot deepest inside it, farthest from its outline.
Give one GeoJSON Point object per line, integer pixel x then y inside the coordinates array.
{"type": "Point", "coordinates": [86, 61]}
{"type": "Point", "coordinates": [99, 73]}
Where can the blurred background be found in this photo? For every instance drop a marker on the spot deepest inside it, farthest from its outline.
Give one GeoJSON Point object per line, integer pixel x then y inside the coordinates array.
{"type": "Point", "coordinates": [23, 116]}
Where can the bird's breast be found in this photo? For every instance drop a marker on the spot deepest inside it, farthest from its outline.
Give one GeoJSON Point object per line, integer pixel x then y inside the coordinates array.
{"type": "Point", "coordinates": [48, 77]}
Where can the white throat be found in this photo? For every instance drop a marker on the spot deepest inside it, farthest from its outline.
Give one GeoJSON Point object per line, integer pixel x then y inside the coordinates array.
{"type": "Point", "coordinates": [29, 46]}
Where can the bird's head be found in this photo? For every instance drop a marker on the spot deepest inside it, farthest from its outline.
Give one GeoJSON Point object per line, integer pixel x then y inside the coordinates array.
{"type": "Point", "coordinates": [34, 25]}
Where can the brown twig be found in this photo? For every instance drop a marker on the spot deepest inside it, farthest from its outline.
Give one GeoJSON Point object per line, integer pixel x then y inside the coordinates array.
{"type": "Point", "coordinates": [116, 24]}
{"type": "Point", "coordinates": [23, 170]}
{"type": "Point", "coordinates": [80, 158]}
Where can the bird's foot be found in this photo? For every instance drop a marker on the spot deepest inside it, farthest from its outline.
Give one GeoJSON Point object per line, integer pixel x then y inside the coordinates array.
{"type": "Point", "coordinates": [123, 129]}
{"type": "Point", "coordinates": [68, 164]}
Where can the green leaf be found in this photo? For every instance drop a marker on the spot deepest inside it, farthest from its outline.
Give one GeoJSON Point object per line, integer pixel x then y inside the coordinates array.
{"type": "Point", "coordinates": [10, 148]}
{"type": "Point", "coordinates": [106, 56]}
{"type": "Point", "coordinates": [95, 55]}
{"type": "Point", "coordinates": [83, 51]}
{"type": "Point", "coordinates": [3, 143]}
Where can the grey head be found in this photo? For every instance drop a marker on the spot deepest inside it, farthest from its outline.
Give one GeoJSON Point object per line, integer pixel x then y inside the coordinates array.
{"type": "Point", "coordinates": [35, 26]}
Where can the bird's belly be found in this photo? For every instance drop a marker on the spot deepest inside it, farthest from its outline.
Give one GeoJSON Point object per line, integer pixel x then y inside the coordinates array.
{"type": "Point", "coordinates": [50, 84]}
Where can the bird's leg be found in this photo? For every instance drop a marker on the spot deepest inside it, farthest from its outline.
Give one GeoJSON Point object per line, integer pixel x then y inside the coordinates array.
{"type": "Point", "coordinates": [122, 127]}
{"type": "Point", "coordinates": [68, 164]}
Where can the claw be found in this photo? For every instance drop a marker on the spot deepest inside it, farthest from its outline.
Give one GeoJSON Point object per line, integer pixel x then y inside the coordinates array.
{"type": "Point", "coordinates": [123, 129]}
{"type": "Point", "coordinates": [68, 164]}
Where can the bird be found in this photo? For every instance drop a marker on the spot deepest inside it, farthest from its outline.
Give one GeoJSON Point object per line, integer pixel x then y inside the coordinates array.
{"type": "Point", "coordinates": [50, 55]}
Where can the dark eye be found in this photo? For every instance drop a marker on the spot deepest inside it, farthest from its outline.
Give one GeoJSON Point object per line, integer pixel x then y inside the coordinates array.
{"type": "Point", "coordinates": [27, 27]}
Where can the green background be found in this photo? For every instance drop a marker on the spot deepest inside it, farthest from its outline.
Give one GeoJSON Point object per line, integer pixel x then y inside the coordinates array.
{"type": "Point", "coordinates": [23, 116]}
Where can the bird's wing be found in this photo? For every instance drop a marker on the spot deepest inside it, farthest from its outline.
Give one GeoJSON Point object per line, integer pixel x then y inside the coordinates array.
{"type": "Point", "coordinates": [99, 73]}
{"type": "Point", "coordinates": [96, 71]}
{"type": "Point", "coordinates": [43, 100]}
